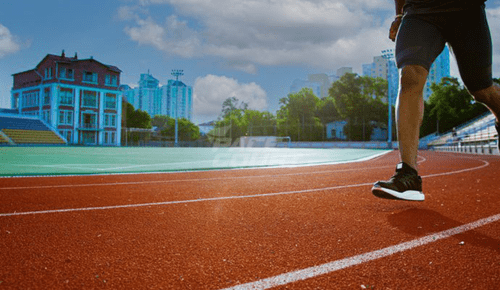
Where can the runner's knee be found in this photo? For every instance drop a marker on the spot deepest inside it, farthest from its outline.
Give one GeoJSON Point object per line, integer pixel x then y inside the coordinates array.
{"type": "Point", "coordinates": [413, 77]}
{"type": "Point", "coordinates": [486, 95]}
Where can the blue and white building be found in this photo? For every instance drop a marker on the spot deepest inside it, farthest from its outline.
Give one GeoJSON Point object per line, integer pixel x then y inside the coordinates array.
{"type": "Point", "coordinates": [78, 98]}
{"type": "Point", "coordinates": [319, 83]}
{"type": "Point", "coordinates": [175, 99]}
{"type": "Point", "coordinates": [384, 66]}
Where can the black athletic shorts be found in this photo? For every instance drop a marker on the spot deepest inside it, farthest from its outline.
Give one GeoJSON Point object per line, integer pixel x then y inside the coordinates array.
{"type": "Point", "coordinates": [421, 38]}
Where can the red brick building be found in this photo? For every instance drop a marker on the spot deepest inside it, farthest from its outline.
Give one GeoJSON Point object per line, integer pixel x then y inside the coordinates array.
{"type": "Point", "coordinates": [78, 97]}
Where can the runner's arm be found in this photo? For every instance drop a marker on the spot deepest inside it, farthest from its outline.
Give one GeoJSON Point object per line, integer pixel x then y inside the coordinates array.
{"type": "Point", "coordinates": [397, 21]}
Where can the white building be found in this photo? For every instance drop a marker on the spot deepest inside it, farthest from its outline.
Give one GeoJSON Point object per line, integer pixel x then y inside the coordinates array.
{"type": "Point", "coordinates": [77, 97]}
{"type": "Point", "coordinates": [174, 99]}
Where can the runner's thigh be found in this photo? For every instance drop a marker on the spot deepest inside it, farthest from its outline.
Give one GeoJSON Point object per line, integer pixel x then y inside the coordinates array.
{"type": "Point", "coordinates": [419, 41]}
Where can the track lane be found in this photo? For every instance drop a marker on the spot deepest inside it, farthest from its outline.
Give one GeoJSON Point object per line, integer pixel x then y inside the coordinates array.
{"type": "Point", "coordinates": [222, 243]}
{"type": "Point", "coordinates": [104, 191]}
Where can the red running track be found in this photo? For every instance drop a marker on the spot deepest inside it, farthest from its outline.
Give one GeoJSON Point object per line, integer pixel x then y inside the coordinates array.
{"type": "Point", "coordinates": [293, 228]}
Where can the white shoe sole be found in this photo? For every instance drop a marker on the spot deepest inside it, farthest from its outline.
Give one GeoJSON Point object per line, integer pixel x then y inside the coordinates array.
{"type": "Point", "coordinates": [411, 195]}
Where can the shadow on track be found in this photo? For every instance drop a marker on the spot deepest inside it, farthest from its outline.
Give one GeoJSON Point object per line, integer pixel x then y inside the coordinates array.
{"type": "Point", "coordinates": [422, 222]}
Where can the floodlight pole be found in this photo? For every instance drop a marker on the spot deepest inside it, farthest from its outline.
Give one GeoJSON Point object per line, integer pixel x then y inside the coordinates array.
{"type": "Point", "coordinates": [177, 73]}
{"type": "Point", "coordinates": [389, 56]}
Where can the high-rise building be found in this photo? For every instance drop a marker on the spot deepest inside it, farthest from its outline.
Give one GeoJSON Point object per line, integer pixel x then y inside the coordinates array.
{"type": "Point", "coordinates": [319, 83]}
{"type": "Point", "coordinates": [318, 87]}
{"type": "Point", "coordinates": [340, 72]}
{"type": "Point", "coordinates": [376, 69]}
{"type": "Point", "coordinates": [439, 69]}
{"type": "Point", "coordinates": [184, 107]}
{"type": "Point", "coordinates": [385, 67]}
{"type": "Point", "coordinates": [154, 99]}
{"type": "Point", "coordinates": [392, 75]}
{"type": "Point", "coordinates": [78, 97]}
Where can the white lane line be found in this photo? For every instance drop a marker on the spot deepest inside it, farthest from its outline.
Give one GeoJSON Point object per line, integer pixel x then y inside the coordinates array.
{"type": "Point", "coordinates": [331, 267]}
{"type": "Point", "coordinates": [219, 198]}
{"type": "Point", "coordinates": [185, 180]}
{"type": "Point", "coordinates": [192, 179]}
{"type": "Point", "coordinates": [181, 201]}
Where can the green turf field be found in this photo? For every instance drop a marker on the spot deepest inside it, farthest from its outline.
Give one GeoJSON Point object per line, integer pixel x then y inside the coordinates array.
{"type": "Point", "coordinates": [99, 160]}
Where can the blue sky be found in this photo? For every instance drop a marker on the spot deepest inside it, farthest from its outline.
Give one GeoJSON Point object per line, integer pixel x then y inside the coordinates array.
{"type": "Point", "coordinates": [250, 49]}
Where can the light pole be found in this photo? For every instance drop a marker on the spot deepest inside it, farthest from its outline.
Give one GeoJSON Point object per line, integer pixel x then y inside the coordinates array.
{"type": "Point", "coordinates": [177, 73]}
{"type": "Point", "coordinates": [388, 54]}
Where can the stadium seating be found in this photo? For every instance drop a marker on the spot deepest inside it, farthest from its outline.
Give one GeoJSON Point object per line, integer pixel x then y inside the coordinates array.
{"type": "Point", "coordinates": [24, 130]}
{"type": "Point", "coordinates": [33, 136]}
{"type": "Point", "coordinates": [479, 134]}
{"type": "Point", "coordinates": [3, 141]}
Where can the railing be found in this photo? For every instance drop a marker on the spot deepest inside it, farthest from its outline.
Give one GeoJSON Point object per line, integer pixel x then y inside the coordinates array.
{"type": "Point", "coordinates": [88, 126]}
{"type": "Point", "coordinates": [479, 139]}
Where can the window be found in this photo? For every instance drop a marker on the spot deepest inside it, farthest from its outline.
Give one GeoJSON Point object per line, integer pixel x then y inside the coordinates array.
{"type": "Point", "coordinates": [89, 120]}
{"type": "Point", "coordinates": [65, 117]}
{"type": "Point", "coordinates": [90, 99]}
{"type": "Point", "coordinates": [66, 96]}
{"type": "Point", "coordinates": [46, 97]}
{"type": "Point", "coordinates": [90, 77]}
{"type": "Point", "coordinates": [109, 138]}
{"type": "Point", "coordinates": [89, 138]}
{"type": "Point", "coordinates": [110, 102]}
{"type": "Point", "coordinates": [48, 73]}
{"type": "Point", "coordinates": [111, 80]}
{"type": "Point", "coordinates": [16, 102]}
{"type": "Point", "coordinates": [30, 99]}
{"type": "Point", "coordinates": [66, 134]}
{"type": "Point", "coordinates": [31, 113]}
{"type": "Point", "coordinates": [46, 116]}
{"type": "Point", "coordinates": [66, 73]}
{"type": "Point", "coordinates": [110, 120]}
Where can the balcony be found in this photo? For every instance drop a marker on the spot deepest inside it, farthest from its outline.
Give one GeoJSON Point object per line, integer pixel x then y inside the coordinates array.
{"type": "Point", "coordinates": [88, 127]}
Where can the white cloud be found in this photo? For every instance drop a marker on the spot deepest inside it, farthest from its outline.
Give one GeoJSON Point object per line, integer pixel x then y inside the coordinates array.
{"type": "Point", "coordinates": [173, 37]}
{"type": "Point", "coordinates": [8, 42]}
{"type": "Point", "coordinates": [323, 34]}
{"type": "Point", "coordinates": [211, 91]}
{"type": "Point", "coordinates": [246, 33]}
{"type": "Point", "coordinates": [126, 13]}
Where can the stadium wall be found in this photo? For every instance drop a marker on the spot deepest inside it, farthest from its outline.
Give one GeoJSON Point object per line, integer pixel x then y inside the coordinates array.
{"type": "Point", "coordinates": [487, 149]}
{"type": "Point", "coordinates": [354, 145]}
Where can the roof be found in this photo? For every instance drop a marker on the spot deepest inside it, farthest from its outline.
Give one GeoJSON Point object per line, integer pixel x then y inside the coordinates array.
{"type": "Point", "coordinates": [64, 59]}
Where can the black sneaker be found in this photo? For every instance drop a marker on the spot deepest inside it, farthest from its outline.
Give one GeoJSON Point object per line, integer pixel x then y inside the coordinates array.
{"type": "Point", "coordinates": [405, 184]}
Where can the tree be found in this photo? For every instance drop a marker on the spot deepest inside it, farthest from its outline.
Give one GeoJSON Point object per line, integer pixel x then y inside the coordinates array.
{"type": "Point", "coordinates": [229, 126]}
{"type": "Point", "coordinates": [187, 130]}
{"type": "Point", "coordinates": [166, 125]}
{"type": "Point", "coordinates": [137, 118]}
{"type": "Point", "coordinates": [259, 123]}
{"type": "Point", "coordinates": [297, 116]}
{"type": "Point", "coordinates": [236, 120]}
{"type": "Point", "coordinates": [162, 122]}
{"type": "Point", "coordinates": [327, 112]}
{"type": "Point", "coordinates": [359, 101]}
{"type": "Point", "coordinates": [449, 106]}
{"type": "Point", "coordinates": [232, 106]}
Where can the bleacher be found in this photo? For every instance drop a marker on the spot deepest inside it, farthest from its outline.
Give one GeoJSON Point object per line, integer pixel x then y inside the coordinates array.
{"type": "Point", "coordinates": [476, 136]}
{"type": "Point", "coordinates": [24, 130]}
{"type": "Point", "coordinates": [4, 140]}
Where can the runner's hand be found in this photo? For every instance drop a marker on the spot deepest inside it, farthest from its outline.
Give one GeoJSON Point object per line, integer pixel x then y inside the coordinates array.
{"type": "Point", "coordinates": [394, 28]}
